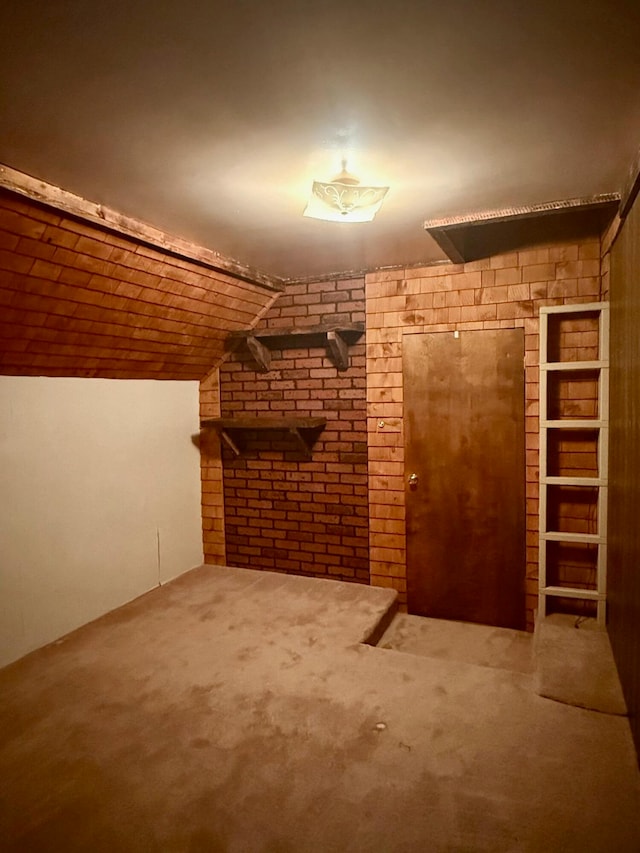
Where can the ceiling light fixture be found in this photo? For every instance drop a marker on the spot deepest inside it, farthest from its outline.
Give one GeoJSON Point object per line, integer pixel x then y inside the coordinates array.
{"type": "Point", "coordinates": [344, 200]}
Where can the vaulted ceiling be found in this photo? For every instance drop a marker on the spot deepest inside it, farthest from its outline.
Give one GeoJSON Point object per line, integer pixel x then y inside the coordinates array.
{"type": "Point", "coordinates": [210, 120]}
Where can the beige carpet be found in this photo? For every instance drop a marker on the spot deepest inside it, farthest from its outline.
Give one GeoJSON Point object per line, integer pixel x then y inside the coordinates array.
{"type": "Point", "coordinates": [574, 664]}
{"type": "Point", "coordinates": [481, 645]}
{"type": "Point", "coordinates": [238, 711]}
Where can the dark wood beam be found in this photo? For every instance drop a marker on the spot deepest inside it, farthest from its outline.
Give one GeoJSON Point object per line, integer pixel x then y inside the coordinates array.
{"type": "Point", "coordinates": [631, 187]}
{"type": "Point", "coordinates": [609, 236]}
{"type": "Point", "coordinates": [628, 196]}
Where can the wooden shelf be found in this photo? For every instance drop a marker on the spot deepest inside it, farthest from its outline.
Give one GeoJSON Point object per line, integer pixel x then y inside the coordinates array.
{"type": "Point", "coordinates": [336, 337]}
{"type": "Point", "coordinates": [573, 424]}
{"type": "Point", "coordinates": [574, 366]}
{"type": "Point", "coordinates": [304, 430]}
{"type": "Point", "coordinates": [569, 592]}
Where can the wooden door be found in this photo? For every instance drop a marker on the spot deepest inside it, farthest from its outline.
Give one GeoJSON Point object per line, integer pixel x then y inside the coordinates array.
{"type": "Point", "coordinates": [464, 442]}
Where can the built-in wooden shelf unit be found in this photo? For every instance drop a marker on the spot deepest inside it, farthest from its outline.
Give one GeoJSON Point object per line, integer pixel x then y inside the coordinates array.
{"type": "Point", "coordinates": [555, 427]}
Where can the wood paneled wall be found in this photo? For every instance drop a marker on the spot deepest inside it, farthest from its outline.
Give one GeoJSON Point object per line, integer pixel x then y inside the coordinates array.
{"type": "Point", "coordinates": [80, 300]}
{"type": "Point", "coordinates": [504, 291]}
{"type": "Point", "coordinates": [213, 539]}
{"type": "Point", "coordinates": [624, 463]}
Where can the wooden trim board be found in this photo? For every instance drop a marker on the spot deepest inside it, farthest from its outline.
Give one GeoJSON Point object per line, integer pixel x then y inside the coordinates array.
{"type": "Point", "coordinates": [74, 205]}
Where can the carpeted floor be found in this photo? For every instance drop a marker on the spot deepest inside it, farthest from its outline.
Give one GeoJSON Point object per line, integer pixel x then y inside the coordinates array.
{"type": "Point", "coordinates": [240, 711]}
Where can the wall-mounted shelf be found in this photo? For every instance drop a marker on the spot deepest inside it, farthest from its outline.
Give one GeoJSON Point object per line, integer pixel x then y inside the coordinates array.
{"type": "Point", "coordinates": [304, 430]}
{"type": "Point", "coordinates": [337, 338]}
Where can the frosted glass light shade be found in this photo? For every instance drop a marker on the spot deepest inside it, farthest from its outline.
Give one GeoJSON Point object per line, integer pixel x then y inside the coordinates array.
{"type": "Point", "coordinates": [344, 200]}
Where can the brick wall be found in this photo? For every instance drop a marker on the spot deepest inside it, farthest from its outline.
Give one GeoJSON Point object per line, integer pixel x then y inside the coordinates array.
{"type": "Point", "coordinates": [285, 512]}
{"type": "Point", "coordinates": [504, 291]}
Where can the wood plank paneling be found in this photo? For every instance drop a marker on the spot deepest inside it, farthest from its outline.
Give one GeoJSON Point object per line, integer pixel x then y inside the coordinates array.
{"type": "Point", "coordinates": [624, 464]}
{"type": "Point", "coordinates": [504, 291]}
{"type": "Point", "coordinates": [78, 300]}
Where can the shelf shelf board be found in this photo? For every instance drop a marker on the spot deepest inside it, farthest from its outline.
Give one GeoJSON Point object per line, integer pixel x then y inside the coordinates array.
{"type": "Point", "coordinates": [571, 592]}
{"type": "Point", "coordinates": [336, 337]}
{"type": "Point", "coordinates": [303, 430]}
{"type": "Point", "coordinates": [260, 423]}
{"type": "Point", "coordinates": [558, 536]}
{"type": "Point", "coordinates": [573, 481]}
{"type": "Point", "coordinates": [576, 308]}
{"type": "Point", "coordinates": [578, 423]}
{"type": "Point", "coordinates": [573, 366]}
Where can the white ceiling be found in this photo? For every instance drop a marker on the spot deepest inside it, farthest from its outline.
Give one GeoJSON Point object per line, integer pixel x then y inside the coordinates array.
{"type": "Point", "coordinates": [211, 119]}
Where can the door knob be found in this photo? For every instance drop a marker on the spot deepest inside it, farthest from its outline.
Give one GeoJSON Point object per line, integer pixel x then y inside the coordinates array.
{"type": "Point", "coordinates": [413, 480]}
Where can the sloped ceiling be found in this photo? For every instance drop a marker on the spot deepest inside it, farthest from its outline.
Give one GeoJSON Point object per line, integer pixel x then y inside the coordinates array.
{"type": "Point", "coordinates": [79, 300]}
{"type": "Point", "coordinates": [211, 119]}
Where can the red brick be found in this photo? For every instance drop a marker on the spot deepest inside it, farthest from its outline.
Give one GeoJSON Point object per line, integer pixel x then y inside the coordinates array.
{"type": "Point", "coordinates": [304, 380]}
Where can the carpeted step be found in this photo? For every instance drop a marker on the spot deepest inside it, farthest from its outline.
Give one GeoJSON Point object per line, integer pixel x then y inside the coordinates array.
{"type": "Point", "coordinates": [482, 645]}
{"type": "Point", "coordinates": [575, 665]}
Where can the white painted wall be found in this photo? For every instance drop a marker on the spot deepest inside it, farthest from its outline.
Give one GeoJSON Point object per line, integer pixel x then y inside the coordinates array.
{"type": "Point", "coordinates": [99, 499]}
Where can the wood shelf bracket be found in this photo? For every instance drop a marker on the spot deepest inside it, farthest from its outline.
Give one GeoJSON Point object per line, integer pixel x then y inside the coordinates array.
{"type": "Point", "coordinates": [261, 355]}
{"type": "Point", "coordinates": [304, 431]}
{"type": "Point", "coordinates": [338, 350]}
{"type": "Point", "coordinates": [336, 338]}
